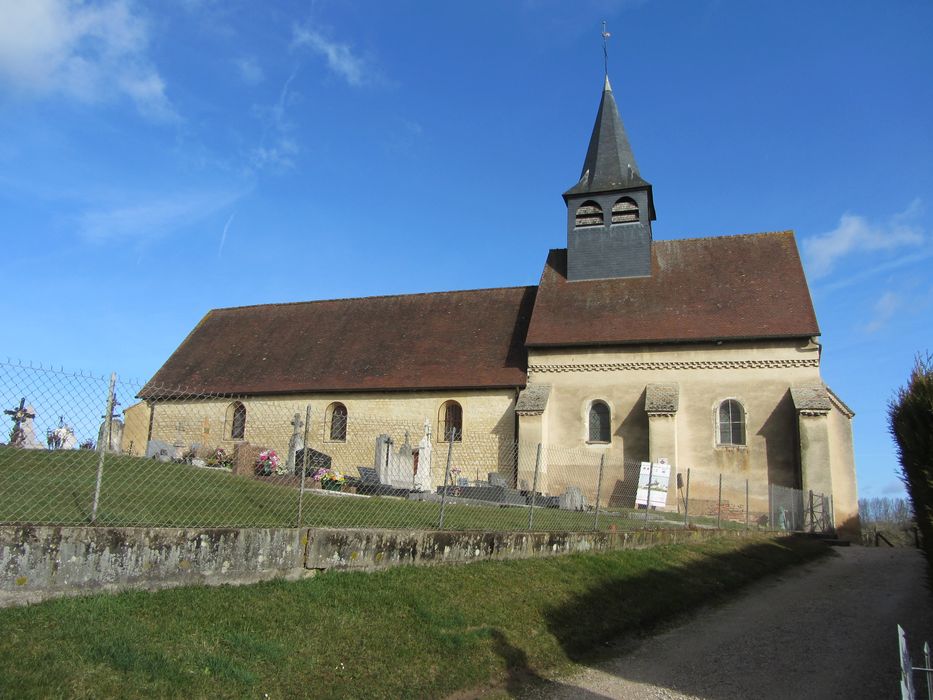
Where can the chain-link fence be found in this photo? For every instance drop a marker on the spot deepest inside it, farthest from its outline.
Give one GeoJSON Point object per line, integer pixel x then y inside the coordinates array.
{"type": "Point", "coordinates": [104, 451]}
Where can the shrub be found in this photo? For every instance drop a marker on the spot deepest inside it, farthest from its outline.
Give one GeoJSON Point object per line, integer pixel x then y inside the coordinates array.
{"type": "Point", "coordinates": [910, 420]}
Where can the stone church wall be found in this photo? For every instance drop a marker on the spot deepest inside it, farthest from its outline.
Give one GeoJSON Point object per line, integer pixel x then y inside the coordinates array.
{"type": "Point", "coordinates": [488, 425]}
{"type": "Point", "coordinates": [758, 375]}
{"type": "Point", "coordinates": [845, 492]}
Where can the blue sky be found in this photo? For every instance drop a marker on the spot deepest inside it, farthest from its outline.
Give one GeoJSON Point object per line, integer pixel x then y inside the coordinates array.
{"type": "Point", "coordinates": [161, 159]}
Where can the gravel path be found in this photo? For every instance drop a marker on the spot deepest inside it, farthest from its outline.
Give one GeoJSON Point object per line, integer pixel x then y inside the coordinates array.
{"type": "Point", "coordinates": [825, 630]}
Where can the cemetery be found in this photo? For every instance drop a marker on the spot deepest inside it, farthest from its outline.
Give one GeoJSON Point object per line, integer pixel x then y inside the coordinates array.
{"type": "Point", "coordinates": [403, 484]}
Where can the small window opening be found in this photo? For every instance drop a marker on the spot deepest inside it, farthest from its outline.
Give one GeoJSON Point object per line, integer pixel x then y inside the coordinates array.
{"type": "Point", "coordinates": [600, 429]}
{"type": "Point", "coordinates": [338, 422]}
{"type": "Point", "coordinates": [731, 423]}
{"type": "Point", "coordinates": [238, 422]}
{"type": "Point", "coordinates": [451, 419]}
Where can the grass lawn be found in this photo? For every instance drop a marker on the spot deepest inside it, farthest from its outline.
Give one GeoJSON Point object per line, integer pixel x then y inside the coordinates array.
{"type": "Point", "coordinates": [57, 488]}
{"type": "Point", "coordinates": [406, 632]}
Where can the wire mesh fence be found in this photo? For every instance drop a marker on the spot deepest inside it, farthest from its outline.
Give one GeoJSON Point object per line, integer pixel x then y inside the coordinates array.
{"type": "Point", "coordinates": [104, 451]}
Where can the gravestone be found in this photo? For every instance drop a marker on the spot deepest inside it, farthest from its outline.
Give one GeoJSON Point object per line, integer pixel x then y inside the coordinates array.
{"type": "Point", "coordinates": [295, 443]}
{"type": "Point", "coordinates": [368, 476]}
{"type": "Point", "coordinates": [572, 499]}
{"type": "Point", "coordinates": [29, 431]}
{"type": "Point", "coordinates": [244, 458]}
{"type": "Point", "coordinates": [23, 434]}
{"type": "Point", "coordinates": [116, 436]}
{"type": "Point", "coordinates": [496, 479]}
{"type": "Point", "coordinates": [422, 477]}
{"type": "Point", "coordinates": [61, 438]}
{"type": "Point", "coordinates": [160, 450]}
{"type": "Point", "coordinates": [395, 468]}
{"type": "Point", "coordinates": [311, 460]}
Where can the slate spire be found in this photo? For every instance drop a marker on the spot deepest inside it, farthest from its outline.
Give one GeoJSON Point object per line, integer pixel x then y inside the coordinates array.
{"type": "Point", "coordinates": [609, 164]}
{"type": "Point", "coordinates": [610, 209]}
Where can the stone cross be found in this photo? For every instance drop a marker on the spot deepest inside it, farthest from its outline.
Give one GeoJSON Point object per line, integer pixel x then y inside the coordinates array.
{"type": "Point", "coordinates": [296, 442]}
{"type": "Point", "coordinates": [18, 416]}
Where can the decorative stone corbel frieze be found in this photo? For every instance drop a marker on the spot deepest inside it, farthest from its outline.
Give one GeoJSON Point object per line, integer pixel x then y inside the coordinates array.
{"type": "Point", "coordinates": [671, 365]}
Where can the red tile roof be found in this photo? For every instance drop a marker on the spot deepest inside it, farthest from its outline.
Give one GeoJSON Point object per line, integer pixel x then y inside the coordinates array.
{"type": "Point", "coordinates": [469, 339]}
{"type": "Point", "coordinates": [729, 287]}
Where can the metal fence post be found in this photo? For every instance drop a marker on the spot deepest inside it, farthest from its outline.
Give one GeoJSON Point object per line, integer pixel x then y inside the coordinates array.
{"type": "Point", "coordinates": [534, 488]}
{"type": "Point", "coordinates": [746, 504]}
{"type": "Point", "coordinates": [304, 462]}
{"type": "Point", "coordinates": [687, 500]}
{"type": "Point", "coordinates": [770, 506]}
{"type": "Point", "coordinates": [599, 488]}
{"type": "Point", "coordinates": [648, 502]}
{"type": "Point", "coordinates": [450, 453]}
{"type": "Point", "coordinates": [101, 449]}
{"type": "Point", "coordinates": [812, 523]}
{"type": "Point", "coordinates": [719, 505]}
{"type": "Point", "coordinates": [927, 667]}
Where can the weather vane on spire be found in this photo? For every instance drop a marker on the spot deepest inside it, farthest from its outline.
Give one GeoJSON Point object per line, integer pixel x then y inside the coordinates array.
{"type": "Point", "coordinates": [606, 36]}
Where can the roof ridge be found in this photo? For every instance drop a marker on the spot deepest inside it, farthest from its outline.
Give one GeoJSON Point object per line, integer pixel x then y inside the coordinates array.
{"type": "Point", "coordinates": [728, 235]}
{"type": "Point", "coordinates": [377, 296]}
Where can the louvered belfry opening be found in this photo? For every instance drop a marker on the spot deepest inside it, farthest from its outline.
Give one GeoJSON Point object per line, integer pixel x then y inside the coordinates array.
{"type": "Point", "coordinates": [625, 211]}
{"type": "Point", "coordinates": [589, 214]}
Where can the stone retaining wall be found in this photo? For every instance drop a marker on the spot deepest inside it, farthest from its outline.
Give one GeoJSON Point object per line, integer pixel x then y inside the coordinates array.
{"type": "Point", "coordinates": [37, 563]}
{"type": "Point", "coordinates": [378, 549]}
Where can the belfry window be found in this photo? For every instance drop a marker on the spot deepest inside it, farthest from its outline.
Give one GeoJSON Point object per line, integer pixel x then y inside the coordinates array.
{"type": "Point", "coordinates": [625, 211]}
{"type": "Point", "coordinates": [589, 214]}
{"type": "Point", "coordinates": [731, 423]}
{"type": "Point", "coordinates": [600, 427]}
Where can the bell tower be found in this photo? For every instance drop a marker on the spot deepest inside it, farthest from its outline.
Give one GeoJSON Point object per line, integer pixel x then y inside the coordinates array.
{"type": "Point", "coordinates": [610, 210]}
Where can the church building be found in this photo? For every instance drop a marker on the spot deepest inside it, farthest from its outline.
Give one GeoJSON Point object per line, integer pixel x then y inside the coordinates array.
{"type": "Point", "coordinates": [702, 352]}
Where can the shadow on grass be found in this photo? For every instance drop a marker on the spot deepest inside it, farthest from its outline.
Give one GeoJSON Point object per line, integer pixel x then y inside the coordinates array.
{"type": "Point", "coordinates": [621, 606]}
{"type": "Point", "coordinates": [520, 677]}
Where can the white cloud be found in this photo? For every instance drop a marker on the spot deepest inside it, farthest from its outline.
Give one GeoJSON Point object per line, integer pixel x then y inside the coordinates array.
{"type": "Point", "coordinates": [276, 148]}
{"type": "Point", "coordinates": [883, 310]}
{"type": "Point", "coordinates": [856, 234]}
{"type": "Point", "coordinates": [89, 51]}
{"type": "Point", "coordinates": [151, 218]}
{"type": "Point", "coordinates": [340, 57]}
{"type": "Point", "coordinates": [250, 70]}
{"type": "Point", "coordinates": [223, 236]}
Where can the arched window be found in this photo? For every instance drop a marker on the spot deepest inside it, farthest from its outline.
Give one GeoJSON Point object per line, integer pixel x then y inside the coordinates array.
{"type": "Point", "coordinates": [600, 428]}
{"type": "Point", "coordinates": [337, 422]}
{"type": "Point", "coordinates": [236, 421]}
{"type": "Point", "coordinates": [625, 211]}
{"type": "Point", "coordinates": [731, 423]}
{"type": "Point", "coordinates": [449, 419]}
{"type": "Point", "coordinates": [589, 214]}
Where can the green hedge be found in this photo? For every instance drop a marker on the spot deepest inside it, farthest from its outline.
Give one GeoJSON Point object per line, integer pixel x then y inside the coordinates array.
{"type": "Point", "coordinates": [910, 416]}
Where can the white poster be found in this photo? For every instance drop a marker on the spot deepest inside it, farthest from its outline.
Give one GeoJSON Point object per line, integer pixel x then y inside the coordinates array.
{"type": "Point", "coordinates": [659, 477]}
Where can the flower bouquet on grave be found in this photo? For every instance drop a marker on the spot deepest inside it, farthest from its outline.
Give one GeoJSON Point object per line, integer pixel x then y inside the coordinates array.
{"type": "Point", "coordinates": [220, 459]}
{"type": "Point", "coordinates": [330, 479]}
{"type": "Point", "coordinates": [269, 464]}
